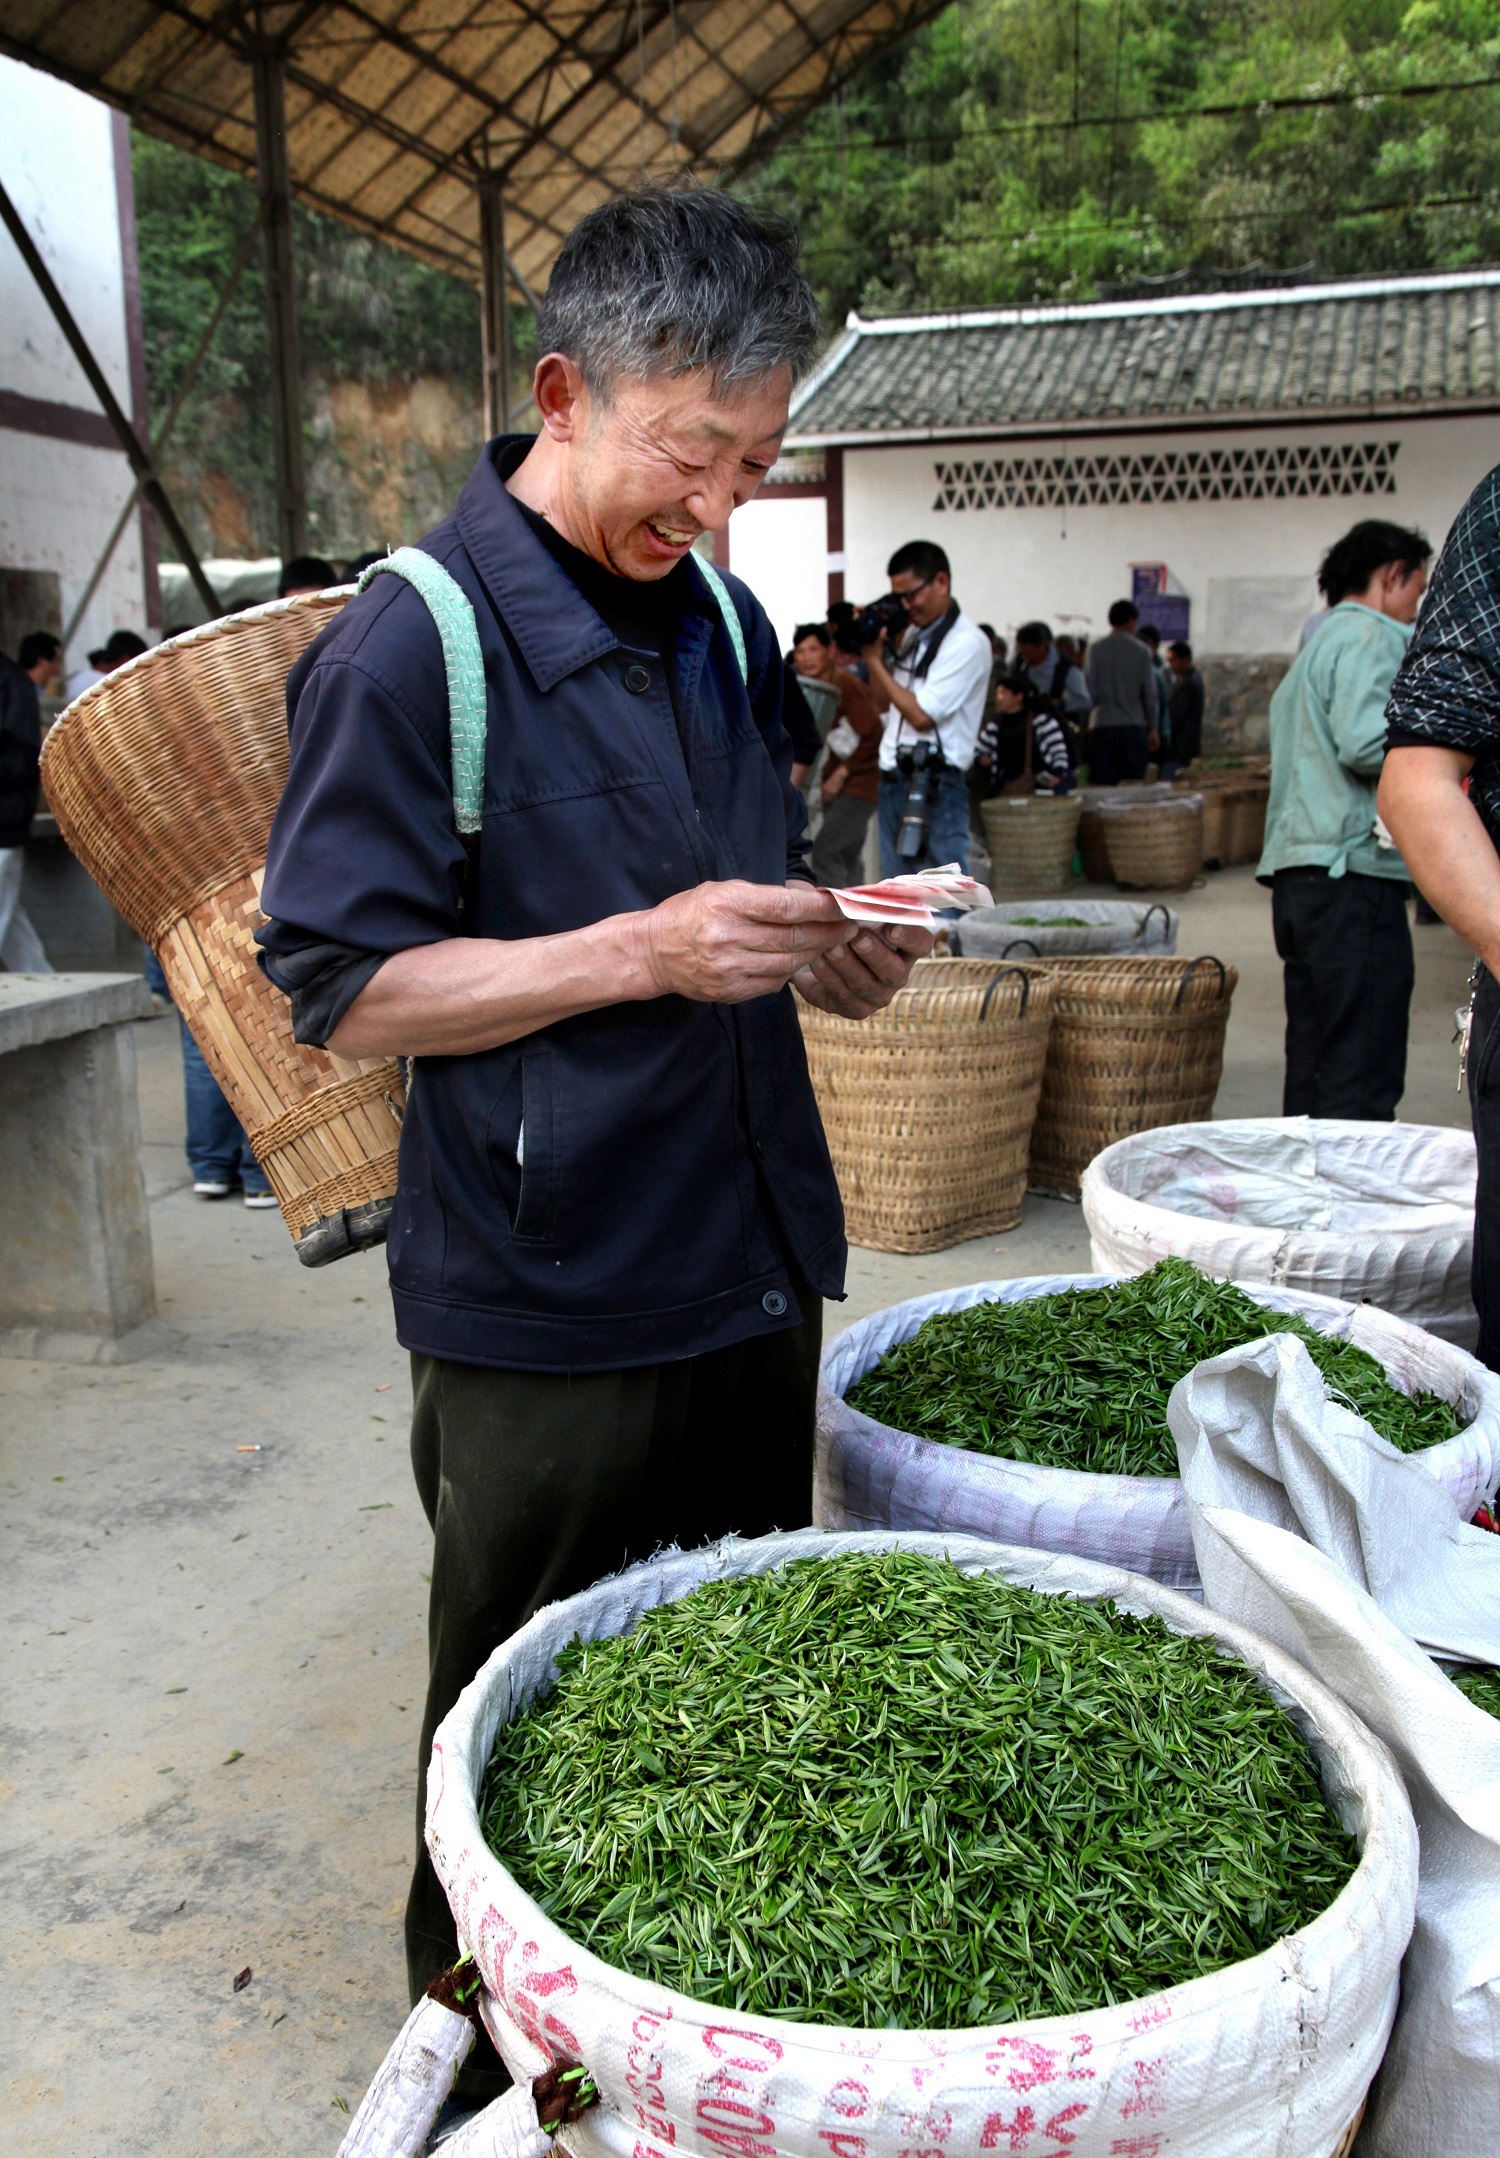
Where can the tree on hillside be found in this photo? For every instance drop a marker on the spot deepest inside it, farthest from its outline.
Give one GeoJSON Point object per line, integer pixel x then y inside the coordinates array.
{"type": "Point", "coordinates": [1038, 149]}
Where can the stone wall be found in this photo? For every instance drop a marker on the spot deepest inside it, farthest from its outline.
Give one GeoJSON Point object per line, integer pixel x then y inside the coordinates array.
{"type": "Point", "coordinates": [1238, 688]}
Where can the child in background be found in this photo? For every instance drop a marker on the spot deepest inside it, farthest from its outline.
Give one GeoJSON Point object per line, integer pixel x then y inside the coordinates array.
{"type": "Point", "coordinates": [1018, 713]}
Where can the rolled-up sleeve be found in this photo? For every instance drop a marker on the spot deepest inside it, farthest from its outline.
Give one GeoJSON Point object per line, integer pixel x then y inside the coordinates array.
{"type": "Point", "coordinates": [363, 859]}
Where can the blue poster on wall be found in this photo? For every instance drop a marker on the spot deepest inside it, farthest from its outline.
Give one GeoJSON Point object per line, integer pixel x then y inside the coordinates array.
{"type": "Point", "coordinates": [1161, 600]}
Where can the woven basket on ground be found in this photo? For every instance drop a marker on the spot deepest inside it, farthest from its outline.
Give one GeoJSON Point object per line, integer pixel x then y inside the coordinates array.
{"type": "Point", "coordinates": [1031, 838]}
{"type": "Point", "coordinates": [1217, 795]}
{"type": "Point", "coordinates": [1135, 1043]}
{"type": "Point", "coordinates": [1246, 836]}
{"type": "Point", "coordinates": [1091, 841]}
{"type": "Point", "coordinates": [163, 778]}
{"type": "Point", "coordinates": [1154, 846]}
{"type": "Point", "coordinates": [928, 1105]}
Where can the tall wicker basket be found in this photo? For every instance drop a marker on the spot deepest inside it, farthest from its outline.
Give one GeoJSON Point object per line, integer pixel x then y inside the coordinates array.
{"type": "Point", "coordinates": [163, 778]}
{"type": "Point", "coordinates": [1246, 836]}
{"type": "Point", "coordinates": [1031, 838]}
{"type": "Point", "coordinates": [1135, 1043]}
{"type": "Point", "coordinates": [1216, 797]}
{"type": "Point", "coordinates": [1154, 846]}
{"type": "Point", "coordinates": [928, 1105]}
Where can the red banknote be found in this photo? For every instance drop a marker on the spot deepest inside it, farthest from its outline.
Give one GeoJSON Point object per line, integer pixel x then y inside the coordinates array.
{"type": "Point", "coordinates": [913, 898]}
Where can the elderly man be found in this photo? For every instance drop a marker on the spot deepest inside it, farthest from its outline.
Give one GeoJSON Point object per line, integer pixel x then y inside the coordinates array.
{"type": "Point", "coordinates": [616, 1215]}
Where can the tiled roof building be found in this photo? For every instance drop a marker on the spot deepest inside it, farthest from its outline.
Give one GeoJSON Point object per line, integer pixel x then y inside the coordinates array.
{"type": "Point", "coordinates": [1395, 345]}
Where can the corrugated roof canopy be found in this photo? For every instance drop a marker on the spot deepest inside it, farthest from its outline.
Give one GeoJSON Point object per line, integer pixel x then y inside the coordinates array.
{"type": "Point", "coordinates": [1335, 351]}
{"type": "Point", "coordinates": [394, 107]}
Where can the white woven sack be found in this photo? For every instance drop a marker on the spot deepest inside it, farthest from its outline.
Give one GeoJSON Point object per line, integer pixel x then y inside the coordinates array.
{"type": "Point", "coordinates": [1113, 925]}
{"type": "Point", "coordinates": [871, 1476]}
{"type": "Point", "coordinates": [1378, 1213]}
{"type": "Point", "coordinates": [1270, 2058]}
{"type": "Point", "coordinates": [1267, 1462]}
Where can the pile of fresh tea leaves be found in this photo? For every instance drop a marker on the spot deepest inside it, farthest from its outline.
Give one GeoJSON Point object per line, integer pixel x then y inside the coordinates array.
{"type": "Point", "coordinates": [1481, 1684]}
{"type": "Point", "coordinates": [1080, 1380]}
{"type": "Point", "coordinates": [874, 1790]}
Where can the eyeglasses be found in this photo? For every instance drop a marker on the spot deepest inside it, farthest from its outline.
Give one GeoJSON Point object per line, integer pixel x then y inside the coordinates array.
{"type": "Point", "coordinates": [907, 598]}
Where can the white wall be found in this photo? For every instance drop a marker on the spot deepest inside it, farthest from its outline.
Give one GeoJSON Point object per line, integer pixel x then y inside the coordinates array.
{"type": "Point", "coordinates": [1066, 566]}
{"type": "Point", "coordinates": [59, 499]}
{"type": "Point", "coordinates": [780, 549]}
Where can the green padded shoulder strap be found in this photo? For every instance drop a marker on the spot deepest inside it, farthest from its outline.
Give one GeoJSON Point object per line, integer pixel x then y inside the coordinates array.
{"type": "Point", "coordinates": [730, 612]}
{"type": "Point", "coordinates": [463, 662]}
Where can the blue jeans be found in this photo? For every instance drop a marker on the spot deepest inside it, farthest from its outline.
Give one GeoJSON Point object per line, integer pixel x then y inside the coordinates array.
{"type": "Point", "coordinates": [217, 1150]}
{"type": "Point", "coordinates": [948, 826]}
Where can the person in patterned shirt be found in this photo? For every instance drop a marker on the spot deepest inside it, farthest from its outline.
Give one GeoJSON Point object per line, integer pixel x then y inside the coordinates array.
{"type": "Point", "coordinates": [1440, 799]}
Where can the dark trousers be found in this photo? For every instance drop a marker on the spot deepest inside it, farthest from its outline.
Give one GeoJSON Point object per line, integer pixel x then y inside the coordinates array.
{"type": "Point", "coordinates": [1115, 754]}
{"type": "Point", "coordinates": [538, 1484]}
{"type": "Point", "coordinates": [1484, 1106]}
{"type": "Point", "coordinates": [838, 853]}
{"type": "Point", "coordinates": [1346, 947]}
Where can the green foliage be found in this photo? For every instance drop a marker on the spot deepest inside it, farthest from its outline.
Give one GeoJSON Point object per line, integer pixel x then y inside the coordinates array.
{"type": "Point", "coordinates": [949, 174]}
{"type": "Point", "coordinates": [1080, 1380]}
{"type": "Point", "coordinates": [366, 311]}
{"type": "Point", "coordinates": [877, 1791]}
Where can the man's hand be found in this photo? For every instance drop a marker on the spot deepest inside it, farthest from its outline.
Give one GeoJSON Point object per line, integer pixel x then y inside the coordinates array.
{"type": "Point", "coordinates": [862, 976]}
{"type": "Point", "coordinates": [1153, 740]}
{"type": "Point", "coordinates": [726, 943]}
{"type": "Point", "coordinates": [834, 783]}
{"type": "Point", "coordinates": [887, 690]}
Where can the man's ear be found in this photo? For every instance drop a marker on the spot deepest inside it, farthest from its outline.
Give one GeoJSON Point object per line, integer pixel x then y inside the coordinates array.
{"type": "Point", "coordinates": [560, 395]}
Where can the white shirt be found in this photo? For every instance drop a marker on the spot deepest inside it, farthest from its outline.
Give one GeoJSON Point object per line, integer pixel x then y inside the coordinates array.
{"type": "Point", "coordinates": [953, 694]}
{"type": "Point", "coordinates": [77, 683]}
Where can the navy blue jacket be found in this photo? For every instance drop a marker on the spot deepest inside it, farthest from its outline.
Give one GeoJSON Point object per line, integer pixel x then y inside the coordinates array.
{"type": "Point", "coordinates": [675, 1182]}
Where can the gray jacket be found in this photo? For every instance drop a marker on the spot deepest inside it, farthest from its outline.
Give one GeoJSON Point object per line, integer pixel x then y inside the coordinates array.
{"type": "Point", "coordinates": [1122, 682]}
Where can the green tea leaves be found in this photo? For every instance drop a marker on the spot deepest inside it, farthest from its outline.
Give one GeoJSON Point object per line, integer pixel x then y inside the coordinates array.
{"type": "Point", "coordinates": [1080, 1380]}
{"type": "Point", "coordinates": [879, 1792]}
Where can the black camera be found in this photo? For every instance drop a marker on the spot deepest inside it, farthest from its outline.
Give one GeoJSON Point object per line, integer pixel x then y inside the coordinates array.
{"type": "Point", "coordinates": [883, 617]}
{"type": "Point", "coordinates": [920, 762]}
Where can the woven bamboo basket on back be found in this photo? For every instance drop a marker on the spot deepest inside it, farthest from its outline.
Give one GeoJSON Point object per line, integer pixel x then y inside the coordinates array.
{"type": "Point", "coordinates": [1154, 846]}
{"type": "Point", "coordinates": [1135, 1043]}
{"type": "Point", "coordinates": [164, 778]}
{"type": "Point", "coordinates": [928, 1105]}
{"type": "Point", "coordinates": [1031, 838]}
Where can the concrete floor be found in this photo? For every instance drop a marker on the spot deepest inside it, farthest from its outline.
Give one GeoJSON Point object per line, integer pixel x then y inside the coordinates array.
{"type": "Point", "coordinates": [212, 1588]}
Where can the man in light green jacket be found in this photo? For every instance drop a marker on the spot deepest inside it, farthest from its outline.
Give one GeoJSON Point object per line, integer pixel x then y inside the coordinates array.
{"type": "Point", "coordinates": [1338, 886]}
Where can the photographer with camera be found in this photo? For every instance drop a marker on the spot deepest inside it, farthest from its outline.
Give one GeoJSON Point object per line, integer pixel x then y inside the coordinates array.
{"type": "Point", "coordinates": [930, 669]}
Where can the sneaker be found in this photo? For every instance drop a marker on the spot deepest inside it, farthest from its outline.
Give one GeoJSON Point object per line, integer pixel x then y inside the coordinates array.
{"type": "Point", "coordinates": [212, 1187]}
{"type": "Point", "coordinates": [261, 1202]}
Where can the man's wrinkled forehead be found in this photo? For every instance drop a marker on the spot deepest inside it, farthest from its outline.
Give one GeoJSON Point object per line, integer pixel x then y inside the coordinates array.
{"type": "Point", "coordinates": [697, 412]}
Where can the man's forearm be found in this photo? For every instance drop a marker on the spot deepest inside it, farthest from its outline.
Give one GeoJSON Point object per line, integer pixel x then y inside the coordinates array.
{"type": "Point", "coordinates": [1444, 844]}
{"type": "Point", "coordinates": [468, 994]}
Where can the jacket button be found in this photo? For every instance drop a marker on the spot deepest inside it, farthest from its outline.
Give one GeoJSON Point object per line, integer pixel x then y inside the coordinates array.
{"type": "Point", "coordinates": [637, 680]}
{"type": "Point", "coordinates": [774, 1303]}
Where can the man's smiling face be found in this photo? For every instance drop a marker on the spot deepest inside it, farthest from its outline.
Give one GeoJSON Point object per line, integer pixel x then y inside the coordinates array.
{"type": "Point", "coordinates": [655, 463]}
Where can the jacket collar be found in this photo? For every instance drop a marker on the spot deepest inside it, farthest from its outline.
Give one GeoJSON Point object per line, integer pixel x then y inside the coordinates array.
{"type": "Point", "coordinates": [549, 618]}
{"type": "Point", "coordinates": [1357, 606]}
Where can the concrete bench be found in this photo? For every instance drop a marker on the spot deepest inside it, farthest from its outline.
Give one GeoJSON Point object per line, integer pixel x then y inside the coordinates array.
{"type": "Point", "coordinates": [75, 1237]}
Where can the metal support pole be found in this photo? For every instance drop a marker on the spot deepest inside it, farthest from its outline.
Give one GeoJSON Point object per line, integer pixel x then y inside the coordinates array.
{"type": "Point", "coordinates": [273, 177]}
{"type": "Point", "coordinates": [130, 442]}
{"type": "Point", "coordinates": [494, 305]}
{"type": "Point", "coordinates": [163, 434]}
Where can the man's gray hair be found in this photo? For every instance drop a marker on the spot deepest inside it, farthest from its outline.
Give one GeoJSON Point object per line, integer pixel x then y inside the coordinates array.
{"type": "Point", "coordinates": [668, 281]}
